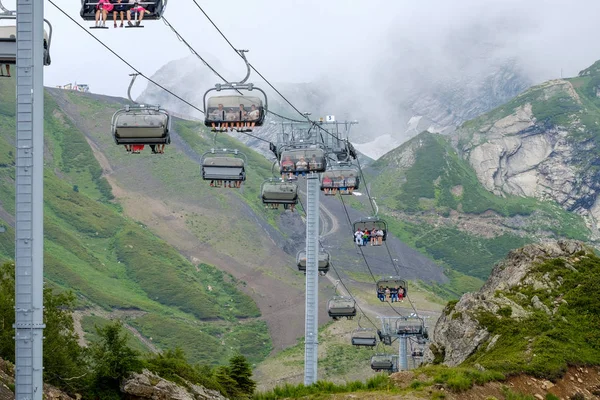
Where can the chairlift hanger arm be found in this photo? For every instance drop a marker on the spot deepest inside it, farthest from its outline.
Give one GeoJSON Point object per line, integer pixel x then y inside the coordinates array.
{"type": "Point", "coordinates": [6, 10]}
{"type": "Point", "coordinates": [133, 77]}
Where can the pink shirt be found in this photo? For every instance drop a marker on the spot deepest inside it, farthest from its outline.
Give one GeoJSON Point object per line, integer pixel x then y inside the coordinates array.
{"type": "Point", "coordinates": [104, 4]}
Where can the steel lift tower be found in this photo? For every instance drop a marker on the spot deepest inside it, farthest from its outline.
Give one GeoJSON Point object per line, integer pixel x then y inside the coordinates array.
{"type": "Point", "coordinates": [29, 201]}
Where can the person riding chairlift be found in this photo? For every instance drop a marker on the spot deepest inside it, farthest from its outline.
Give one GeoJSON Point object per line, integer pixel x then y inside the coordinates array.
{"type": "Point", "coordinates": [219, 115]}
{"type": "Point", "coordinates": [7, 67]}
{"type": "Point", "coordinates": [327, 183]}
{"type": "Point", "coordinates": [137, 10]}
{"type": "Point", "coordinates": [103, 8]}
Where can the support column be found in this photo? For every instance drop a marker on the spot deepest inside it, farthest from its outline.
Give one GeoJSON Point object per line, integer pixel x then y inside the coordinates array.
{"type": "Point", "coordinates": [311, 343]}
{"type": "Point", "coordinates": [402, 360]}
{"type": "Point", "coordinates": [29, 239]}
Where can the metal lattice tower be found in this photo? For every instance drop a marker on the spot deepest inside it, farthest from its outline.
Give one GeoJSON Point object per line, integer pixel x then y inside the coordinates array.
{"type": "Point", "coordinates": [29, 201]}
{"type": "Point", "coordinates": [310, 132]}
{"type": "Point", "coordinates": [401, 329]}
{"type": "Point", "coordinates": [311, 344]}
{"type": "Point", "coordinates": [402, 354]}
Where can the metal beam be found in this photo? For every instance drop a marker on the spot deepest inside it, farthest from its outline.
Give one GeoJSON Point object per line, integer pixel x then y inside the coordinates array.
{"type": "Point", "coordinates": [402, 357]}
{"type": "Point", "coordinates": [311, 343]}
{"type": "Point", "coordinates": [29, 201]}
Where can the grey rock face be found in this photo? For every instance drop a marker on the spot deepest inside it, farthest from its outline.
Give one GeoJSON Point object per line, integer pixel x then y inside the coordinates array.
{"type": "Point", "coordinates": [519, 155]}
{"type": "Point", "coordinates": [458, 334]}
{"type": "Point", "coordinates": [147, 385]}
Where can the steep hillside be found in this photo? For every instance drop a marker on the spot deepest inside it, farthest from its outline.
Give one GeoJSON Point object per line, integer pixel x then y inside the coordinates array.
{"type": "Point", "coordinates": [538, 313]}
{"type": "Point", "coordinates": [542, 144]}
{"type": "Point", "coordinates": [227, 228]}
{"type": "Point", "coordinates": [112, 262]}
{"type": "Point", "coordinates": [444, 211]}
{"type": "Point", "coordinates": [531, 332]}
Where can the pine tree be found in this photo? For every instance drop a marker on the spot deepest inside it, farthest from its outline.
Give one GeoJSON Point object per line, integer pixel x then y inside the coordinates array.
{"type": "Point", "coordinates": [224, 379]}
{"type": "Point", "coordinates": [241, 372]}
{"type": "Point", "coordinates": [64, 362]}
{"type": "Point", "coordinates": [112, 359]}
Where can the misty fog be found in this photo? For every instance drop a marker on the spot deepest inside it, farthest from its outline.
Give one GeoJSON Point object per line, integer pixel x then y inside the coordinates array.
{"type": "Point", "coordinates": [385, 63]}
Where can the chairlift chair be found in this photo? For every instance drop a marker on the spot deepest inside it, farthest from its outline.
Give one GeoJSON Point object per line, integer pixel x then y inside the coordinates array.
{"type": "Point", "coordinates": [341, 306]}
{"type": "Point", "coordinates": [391, 282]}
{"type": "Point", "coordinates": [221, 111]}
{"type": "Point", "coordinates": [235, 111]}
{"type": "Point", "coordinates": [384, 362]}
{"type": "Point", "coordinates": [410, 326]}
{"type": "Point", "coordinates": [323, 261]}
{"type": "Point", "coordinates": [417, 353]}
{"type": "Point", "coordinates": [140, 124]}
{"type": "Point", "coordinates": [344, 178]}
{"type": "Point", "coordinates": [223, 165]}
{"type": "Point", "coordinates": [156, 7]}
{"type": "Point", "coordinates": [303, 158]}
{"type": "Point", "coordinates": [8, 42]}
{"type": "Point", "coordinates": [366, 337]}
{"type": "Point", "coordinates": [370, 223]}
{"type": "Point", "coordinates": [274, 191]}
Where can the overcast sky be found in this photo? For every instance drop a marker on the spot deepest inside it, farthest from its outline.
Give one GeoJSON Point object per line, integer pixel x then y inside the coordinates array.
{"type": "Point", "coordinates": [299, 41]}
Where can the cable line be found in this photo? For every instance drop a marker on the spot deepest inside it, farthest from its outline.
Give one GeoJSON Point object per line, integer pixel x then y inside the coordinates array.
{"type": "Point", "coordinates": [125, 61]}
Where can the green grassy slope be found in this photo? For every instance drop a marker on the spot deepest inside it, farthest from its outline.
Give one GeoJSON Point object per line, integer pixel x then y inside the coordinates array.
{"type": "Point", "coordinates": [544, 344]}
{"type": "Point", "coordinates": [174, 173]}
{"type": "Point", "coordinates": [439, 183]}
{"type": "Point", "coordinates": [113, 262]}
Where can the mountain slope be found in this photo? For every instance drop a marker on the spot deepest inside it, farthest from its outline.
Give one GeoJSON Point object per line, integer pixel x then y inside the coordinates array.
{"type": "Point", "coordinates": [228, 228]}
{"type": "Point", "coordinates": [541, 144]}
{"type": "Point", "coordinates": [112, 262]}
{"type": "Point", "coordinates": [443, 210]}
{"type": "Point", "coordinates": [538, 313]}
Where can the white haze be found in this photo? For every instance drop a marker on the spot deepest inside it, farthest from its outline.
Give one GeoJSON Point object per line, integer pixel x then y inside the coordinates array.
{"type": "Point", "coordinates": [374, 55]}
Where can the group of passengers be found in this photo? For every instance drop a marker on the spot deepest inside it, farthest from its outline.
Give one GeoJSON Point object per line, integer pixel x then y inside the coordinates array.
{"type": "Point", "coordinates": [363, 237]}
{"type": "Point", "coordinates": [229, 184]}
{"type": "Point", "coordinates": [120, 8]}
{"type": "Point", "coordinates": [290, 168]}
{"type": "Point", "coordinates": [286, 206]}
{"type": "Point", "coordinates": [137, 148]}
{"type": "Point", "coordinates": [393, 294]}
{"type": "Point", "coordinates": [240, 119]}
{"type": "Point", "coordinates": [345, 186]}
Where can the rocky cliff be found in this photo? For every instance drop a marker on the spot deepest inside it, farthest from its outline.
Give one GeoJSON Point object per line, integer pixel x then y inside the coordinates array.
{"type": "Point", "coordinates": [139, 386]}
{"type": "Point", "coordinates": [542, 144]}
{"type": "Point", "coordinates": [7, 384]}
{"type": "Point", "coordinates": [537, 313]}
{"type": "Point", "coordinates": [147, 385]}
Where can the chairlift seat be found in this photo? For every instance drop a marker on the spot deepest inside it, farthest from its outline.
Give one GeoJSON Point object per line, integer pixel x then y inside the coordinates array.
{"type": "Point", "coordinates": [156, 8]}
{"type": "Point", "coordinates": [314, 157]}
{"type": "Point", "coordinates": [364, 337]}
{"type": "Point", "coordinates": [231, 108]}
{"type": "Point", "coordinates": [383, 362]}
{"type": "Point", "coordinates": [141, 126]}
{"type": "Point", "coordinates": [8, 45]}
{"type": "Point", "coordinates": [223, 168]}
{"type": "Point", "coordinates": [341, 307]}
{"type": "Point", "coordinates": [369, 224]}
{"type": "Point", "coordinates": [393, 282]}
{"type": "Point", "coordinates": [410, 326]}
{"type": "Point", "coordinates": [279, 193]}
{"type": "Point", "coordinates": [350, 178]}
{"type": "Point", "coordinates": [323, 261]}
